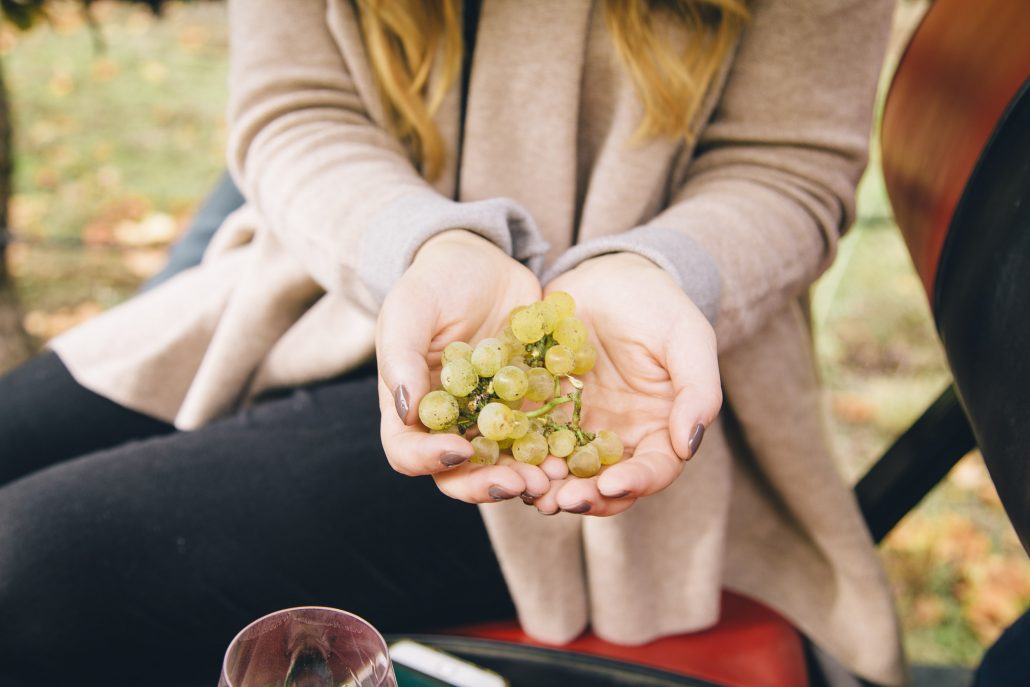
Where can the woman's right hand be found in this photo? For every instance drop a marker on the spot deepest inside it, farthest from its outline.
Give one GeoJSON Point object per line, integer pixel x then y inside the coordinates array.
{"type": "Point", "coordinates": [460, 287]}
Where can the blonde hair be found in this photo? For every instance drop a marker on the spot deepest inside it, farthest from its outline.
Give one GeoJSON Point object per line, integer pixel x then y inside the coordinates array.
{"type": "Point", "coordinates": [403, 39]}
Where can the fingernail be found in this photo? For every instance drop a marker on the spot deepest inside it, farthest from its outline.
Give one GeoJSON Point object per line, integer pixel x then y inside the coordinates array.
{"type": "Point", "coordinates": [499, 494]}
{"type": "Point", "coordinates": [622, 494]}
{"type": "Point", "coordinates": [695, 440]}
{"type": "Point", "coordinates": [451, 459]}
{"type": "Point", "coordinates": [553, 512]}
{"type": "Point", "coordinates": [527, 499]}
{"type": "Point", "coordinates": [400, 401]}
{"type": "Point", "coordinates": [578, 508]}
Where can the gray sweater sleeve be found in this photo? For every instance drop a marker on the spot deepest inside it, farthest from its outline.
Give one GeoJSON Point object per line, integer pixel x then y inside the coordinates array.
{"type": "Point", "coordinates": [399, 230]}
{"type": "Point", "coordinates": [684, 259]}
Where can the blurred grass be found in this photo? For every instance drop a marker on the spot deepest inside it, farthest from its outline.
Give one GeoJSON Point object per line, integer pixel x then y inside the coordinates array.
{"type": "Point", "coordinates": [115, 149]}
{"type": "Point", "coordinates": [107, 138]}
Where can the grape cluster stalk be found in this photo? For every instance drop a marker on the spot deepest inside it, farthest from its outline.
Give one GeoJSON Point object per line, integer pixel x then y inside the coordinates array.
{"type": "Point", "coordinates": [485, 387]}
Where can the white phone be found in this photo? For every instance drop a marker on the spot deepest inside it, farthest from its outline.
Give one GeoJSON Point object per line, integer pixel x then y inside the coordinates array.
{"type": "Point", "coordinates": [443, 666]}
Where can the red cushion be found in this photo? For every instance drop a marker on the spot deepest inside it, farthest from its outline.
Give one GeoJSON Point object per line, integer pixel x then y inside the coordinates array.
{"type": "Point", "coordinates": [752, 646]}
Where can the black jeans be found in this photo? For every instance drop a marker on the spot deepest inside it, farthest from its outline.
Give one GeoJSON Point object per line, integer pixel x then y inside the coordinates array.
{"type": "Point", "coordinates": [131, 553]}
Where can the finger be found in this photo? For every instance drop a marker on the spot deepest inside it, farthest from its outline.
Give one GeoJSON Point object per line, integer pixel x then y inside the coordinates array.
{"type": "Point", "coordinates": [653, 467]}
{"type": "Point", "coordinates": [403, 335]}
{"type": "Point", "coordinates": [548, 503]}
{"type": "Point", "coordinates": [411, 450]}
{"type": "Point", "coordinates": [694, 371]}
{"type": "Point", "coordinates": [581, 496]}
{"type": "Point", "coordinates": [481, 483]}
{"type": "Point", "coordinates": [537, 482]}
{"type": "Point", "coordinates": [555, 468]}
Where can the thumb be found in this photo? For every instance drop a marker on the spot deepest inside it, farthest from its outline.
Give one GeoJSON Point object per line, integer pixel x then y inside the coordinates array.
{"type": "Point", "coordinates": [403, 336]}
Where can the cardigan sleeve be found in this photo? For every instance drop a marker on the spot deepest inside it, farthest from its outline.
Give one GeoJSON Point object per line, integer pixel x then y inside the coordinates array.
{"type": "Point", "coordinates": [771, 187]}
{"type": "Point", "coordinates": [338, 190]}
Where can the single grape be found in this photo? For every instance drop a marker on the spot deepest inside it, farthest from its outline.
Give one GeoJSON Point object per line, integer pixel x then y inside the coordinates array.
{"type": "Point", "coordinates": [609, 447]}
{"type": "Point", "coordinates": [514, 405]}
{"type": "Point", "coordinates": [515, 347]}
{"type": "Point", "coordinates": [571, 332]}
{"type": "Point", "coordinates": [505, 444]}
{"type": "Point", "coordinates": [438, 410]}
{"type": "Point", "coordinates": [559, 360]}
{"type": "Point", "coordinates": [521, 425]}
{"type": "Point", "coordinates": [563, 303]}
{"type": "Point", "coordinates": [584, 359]}
{"type": "Point", "coordinates": [514, 311]}
{"type": "Point", "coordinates": [519, 362]}
{"type": "Point", "coordinates": [531, 448]}
{"type": "Point", "coordinates": [585, 462]}
{"type": "Point", "coordinates": [458, 378]}
{"type": "Point", "coordinates": [541, 385]}
{"type": "Point", "coordinates": [485, 451]}
{"type": "Point", "coordinates": [489, 356]}
{"type": "Point", "coordinates": [562, 442]}
{"type": "Point", "coordinates": [456, 350]}
{"type": "Point", "coordinates": [495, 421]}
{"type": "Point", "coordinates": [510, 383]}
{"type": "Point", "coordinates": [528, 325]}
{"type": "Point", "coordinates": [453, 429]}
{"type": "Point", "coordinates": [549, 311]}
{"type": "Point", "coordinates": [559, 417]}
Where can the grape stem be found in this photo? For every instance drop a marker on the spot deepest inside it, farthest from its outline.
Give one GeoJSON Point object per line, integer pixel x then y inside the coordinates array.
{"type": "Point", "coordinates": [551, 405]}
{"type": "Point", "coordinates": [582, 437]}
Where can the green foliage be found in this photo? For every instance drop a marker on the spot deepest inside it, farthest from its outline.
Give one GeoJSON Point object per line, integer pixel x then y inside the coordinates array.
{"type": "Point", "coordinates": [22, 13]}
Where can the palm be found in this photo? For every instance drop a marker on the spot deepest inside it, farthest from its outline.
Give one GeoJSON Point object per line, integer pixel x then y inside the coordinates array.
{"type": "Point", "coordinates": [653, 350]}
{"type": "Point", "coordinates": [627, 392]}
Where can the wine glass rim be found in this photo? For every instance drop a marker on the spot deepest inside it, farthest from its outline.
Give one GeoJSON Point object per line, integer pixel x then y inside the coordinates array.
{"type": "Point", "coordinates": [285, 611]}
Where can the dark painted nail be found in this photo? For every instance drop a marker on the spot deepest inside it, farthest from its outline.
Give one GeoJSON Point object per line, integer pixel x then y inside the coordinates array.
{"type": "Point", "coordinates": [528, 500]}
{"type": "Point", "coordinates": [578, 508]}
{"type": "Point", "coordinates": [621, 495]}
{"type": "Point", "coordinates": [400, 401]}
{"type": "Point", "coordinates": [695, 440]}
{"type": "Point", "coordinates": [452, 459]}
{"type": "Point", "coordinates": [498, 494]}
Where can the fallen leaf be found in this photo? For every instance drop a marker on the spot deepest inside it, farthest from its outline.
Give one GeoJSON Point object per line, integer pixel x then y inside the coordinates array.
{"type": "Point", "coordinates": [853, 409]}
{"type": "Point", "coordinates": [46, 325]}
{"type": "Point", "coordinates": [997, 591]}
{"type": "Point", "coordinates": [154, 72]}
{"type": "Point", "coordinates": [61, 84]}
{"type": "Point", "coordinates": [193, 37]}
{"type": "Point", "coordinates": [143, 262]}
{"type": "Point", "coordinates": [104, 69]}
{"type": "Point", "coordinates": [156, 228]}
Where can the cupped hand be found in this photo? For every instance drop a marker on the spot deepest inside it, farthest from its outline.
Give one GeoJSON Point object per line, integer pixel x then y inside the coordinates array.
{"type": "Point", "coordinates": [655, 383]}
{"type": "Point", "coordinates": [460, 287]}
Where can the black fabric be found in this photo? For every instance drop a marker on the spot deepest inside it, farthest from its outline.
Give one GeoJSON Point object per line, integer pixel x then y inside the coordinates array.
{"type": "Point", "coordinates": [137, 564]}
{"type": "Point", "coordinates": [980, 306]}
{"type": "Point", "coordinates": [1007, 661]}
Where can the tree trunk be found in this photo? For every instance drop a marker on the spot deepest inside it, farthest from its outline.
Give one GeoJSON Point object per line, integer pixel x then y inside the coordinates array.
{"type": "Point", "coordinates": [15, 344]}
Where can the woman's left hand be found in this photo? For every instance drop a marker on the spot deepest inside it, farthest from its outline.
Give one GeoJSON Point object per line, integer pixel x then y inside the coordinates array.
{"type": "Point", "coordinates": [655, 383]}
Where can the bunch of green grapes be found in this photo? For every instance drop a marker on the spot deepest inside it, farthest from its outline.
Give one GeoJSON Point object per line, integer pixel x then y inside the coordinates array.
{"type": "Point", "coordinates": [484, 390]}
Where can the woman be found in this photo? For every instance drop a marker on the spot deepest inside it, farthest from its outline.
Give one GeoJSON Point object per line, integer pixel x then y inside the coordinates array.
{"type": "Point", "coordinates": [413, 171]}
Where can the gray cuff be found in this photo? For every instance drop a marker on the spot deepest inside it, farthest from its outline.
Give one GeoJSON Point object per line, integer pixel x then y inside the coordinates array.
{"type": "Point", "coordinates": [682, 257]}
{"type": "Point", "coordinates": [399, 230]}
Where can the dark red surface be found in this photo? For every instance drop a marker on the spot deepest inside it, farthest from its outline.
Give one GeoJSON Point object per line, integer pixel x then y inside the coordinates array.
{"type": "Point", "coordinates": [958, 75]}
{"type": "Point", "coordinates": [752, 646]}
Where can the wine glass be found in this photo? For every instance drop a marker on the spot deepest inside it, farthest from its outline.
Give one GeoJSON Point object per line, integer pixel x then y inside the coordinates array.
{"type": "Point", "coordinates": [310, 646]}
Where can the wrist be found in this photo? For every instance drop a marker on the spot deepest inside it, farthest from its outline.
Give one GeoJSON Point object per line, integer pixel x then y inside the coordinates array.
{"type": "Point", "coordinates": [455, 239]}
{"type": "Point", "coordinates": [623, 265]}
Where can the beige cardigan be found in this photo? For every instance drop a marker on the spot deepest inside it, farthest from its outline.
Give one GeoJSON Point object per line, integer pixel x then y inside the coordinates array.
{"type": "Point", "coordinates": [280, 301]}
